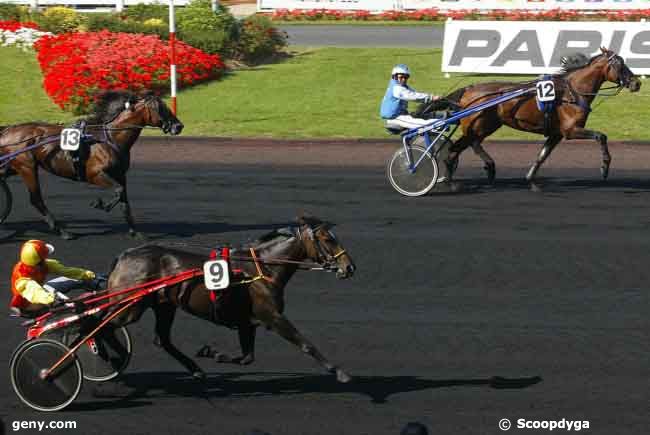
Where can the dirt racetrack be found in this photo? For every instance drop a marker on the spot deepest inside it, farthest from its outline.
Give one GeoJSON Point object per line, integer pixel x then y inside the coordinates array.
{"type": "Point", "coordinates": [466, 309]}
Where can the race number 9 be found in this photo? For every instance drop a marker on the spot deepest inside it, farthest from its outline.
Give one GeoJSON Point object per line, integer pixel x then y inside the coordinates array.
{"type": "Point", "coordinates": [545, 91]}
{"type": "Point", "coordinates": [216, 274]}
{"type": "Point", "coordinates": [70, 139]}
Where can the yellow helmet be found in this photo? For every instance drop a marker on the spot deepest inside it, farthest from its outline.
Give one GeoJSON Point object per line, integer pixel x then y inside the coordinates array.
{"type": "Point", "coordinates": [35, 251]}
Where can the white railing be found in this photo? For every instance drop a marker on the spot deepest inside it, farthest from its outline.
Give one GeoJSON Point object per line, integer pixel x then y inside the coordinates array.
{"type": "Point", "coordinates": [118, 5]}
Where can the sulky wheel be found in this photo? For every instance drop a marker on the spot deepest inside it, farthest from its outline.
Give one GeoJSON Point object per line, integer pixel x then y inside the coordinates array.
{"type": "Point", "coordinates": [104, 356]}
{"type": "Point", "coordinates": [56, 391]}
{"type": "Point", "coordinates": [5, 200]}
{"type": "Point", "coordinates": [412, 182]}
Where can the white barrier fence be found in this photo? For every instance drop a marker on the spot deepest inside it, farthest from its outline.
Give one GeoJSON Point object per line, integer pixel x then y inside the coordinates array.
{"type": "Point", "coordinates": [118, 5]}
{"type": "Point", "coordinates": [387, 5]}
{"type": "Point", "coordinates": [536, 47]}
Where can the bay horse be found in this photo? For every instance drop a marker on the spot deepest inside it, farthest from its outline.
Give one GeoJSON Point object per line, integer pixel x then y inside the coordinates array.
{"type": "Point", "coordinates": [269, 263]}
{"type": "Point", "coordinates": [115, 125]}
{"type": "Point", "coordinates": [576, 87]}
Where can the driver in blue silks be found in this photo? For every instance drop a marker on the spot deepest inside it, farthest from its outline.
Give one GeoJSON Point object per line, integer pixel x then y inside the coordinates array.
{"type": "Point", "coordinates": [395, 103]}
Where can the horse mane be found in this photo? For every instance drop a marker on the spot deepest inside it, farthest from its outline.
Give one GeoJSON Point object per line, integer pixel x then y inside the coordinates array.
{"type": "Point", "coordinates": [576, 61]}
{"type": "Point", "coordinates": [108, 105]}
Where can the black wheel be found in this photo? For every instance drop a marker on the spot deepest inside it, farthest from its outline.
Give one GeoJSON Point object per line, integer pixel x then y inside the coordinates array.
{"type": "Point", "coordinates": [412, 181]}
{"type": "Point", "coordinates": [5, 200]}
{"type": "Point", "coordinates": [56, 391]}
{"type": "Point", "coordinates": [104, 356]}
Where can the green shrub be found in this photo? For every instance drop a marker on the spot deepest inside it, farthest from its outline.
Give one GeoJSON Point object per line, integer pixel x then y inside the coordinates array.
{"type": "Point", "coordinates": [59, 19]}
{"type": "Point", "coordinates": [143, 12]}
{"type": "Point", "coordinates": [212, 32]}
{"type": "Point", "coordinates": [259, 39]}
{"type": "Point", "coordinates": [117, 23]}
{"type": "Point", "coordinates": [11, 12]}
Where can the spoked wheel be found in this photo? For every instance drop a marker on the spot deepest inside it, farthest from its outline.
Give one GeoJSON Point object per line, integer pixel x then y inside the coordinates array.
{"type": "Point", "coordinates": [410, 181]}
{"type": "Point", "coordinates": [104, 356]}
{"type": "Point", "coordinates": [5, 200]}
{"type": "Point", "coordinates": [56, 391]}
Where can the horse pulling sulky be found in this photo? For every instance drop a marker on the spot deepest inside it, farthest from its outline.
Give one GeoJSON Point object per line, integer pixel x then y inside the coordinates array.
{"type": "Point", "coordinates": [239, 288]}
{"type": "Point", "coordinates": [556, 106]}
{"type": "Point", "coordinates": [96, 150]}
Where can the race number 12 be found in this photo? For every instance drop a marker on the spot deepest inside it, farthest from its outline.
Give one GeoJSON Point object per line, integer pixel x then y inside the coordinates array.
{"type": "Point", "coordinates": [545, 91]}
{"type": "Point", "coordinates": [216, 274]}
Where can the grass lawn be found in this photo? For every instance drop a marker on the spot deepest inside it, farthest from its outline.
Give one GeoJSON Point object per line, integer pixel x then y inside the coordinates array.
{"type": "Point", "coordinates": [323, 92]}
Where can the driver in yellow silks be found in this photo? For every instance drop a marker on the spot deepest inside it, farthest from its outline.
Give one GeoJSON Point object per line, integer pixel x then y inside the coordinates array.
{"type": "Point", "coordinates": [29, 274]}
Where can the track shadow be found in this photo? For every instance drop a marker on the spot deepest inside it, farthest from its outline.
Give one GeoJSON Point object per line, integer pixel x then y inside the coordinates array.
{"type": "Point", "coordinates": [557, 185]}
{"type": "Point", "coordinates": [16, 231]}
{"type": "Point", "coordinates": [255, 384]}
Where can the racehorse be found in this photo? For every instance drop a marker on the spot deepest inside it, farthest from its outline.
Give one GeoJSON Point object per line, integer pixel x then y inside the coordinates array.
{"type": "Point", "coordinates": [268, 263]}
{"type": "Point", "coordinates": [115, 125]}
{"type": "Point", "coordinates": [576, 87]}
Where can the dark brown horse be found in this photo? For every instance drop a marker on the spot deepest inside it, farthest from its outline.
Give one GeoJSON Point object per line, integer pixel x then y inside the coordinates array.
{"type": "Point", "coordinates": [115, 126]}
{"type": "Point", "coordinates": [258, 299]}
{"type": "Point", "coordinates": [576, 87]}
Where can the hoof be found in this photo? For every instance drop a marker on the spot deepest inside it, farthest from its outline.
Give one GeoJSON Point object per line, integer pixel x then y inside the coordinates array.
{"type": "Point", "coordinates": [66, 235]}
{"type": "Point", "coordinates": [137, 235]}
{"type": "Point", "coordinates": [98, 204]}
{"type": "Point", "coordinates": [534, 187]}
{"type": "Point", "coordinates": [204, 352]}
{"type": "Point", "coordinates": [604, 172]}
{"type": "Point", "coordinates": [222, 358]}
{"type": "Point", "coordinates": [199, 375]}
{"type": "Point", "coordinates": [342, 377]}
{"type": "Point", "coordinates": [448, 187]}
{"type": "Point", "coordinates": [491, 173]}
{"type": "Point", "coordinates": [245, 360]}
{"type": "Point", "coordinates": [157, 343]}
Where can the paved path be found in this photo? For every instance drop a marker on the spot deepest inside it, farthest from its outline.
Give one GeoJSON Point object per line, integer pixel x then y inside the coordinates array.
{"type": "Point", "coordinates": [451, 293]}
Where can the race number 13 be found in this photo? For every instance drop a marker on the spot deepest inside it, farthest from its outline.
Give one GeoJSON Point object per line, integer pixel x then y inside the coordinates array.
{"type": "Point", "coordinates": [545, 91]}
{"type": "Point", "coordinates": [216, 274]}
{"type": "Point", "coordinates": [70, 139]}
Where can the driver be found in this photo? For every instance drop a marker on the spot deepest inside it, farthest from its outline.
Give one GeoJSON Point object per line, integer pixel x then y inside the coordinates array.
{"type": "Point", "coordinates": [30, 297]}
{"type": "Point", "coordinates": [395, 103]}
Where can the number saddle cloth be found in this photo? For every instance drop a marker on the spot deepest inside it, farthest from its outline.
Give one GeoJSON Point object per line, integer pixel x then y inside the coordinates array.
{"type": "Point", "coordinates": [227, 303]}
{"type": "Point", "coordinates": [80, 157]}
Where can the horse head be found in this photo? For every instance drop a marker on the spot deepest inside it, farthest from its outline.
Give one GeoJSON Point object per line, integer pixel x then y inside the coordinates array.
{"type": "Point", "coordinates": [157, 114]}
{"type": "Point", "coordinates": [617, 72]}
{"type": "Point", "coordinates": [322, 246]}
{"type": "Point", "coordinates": [134, 110]}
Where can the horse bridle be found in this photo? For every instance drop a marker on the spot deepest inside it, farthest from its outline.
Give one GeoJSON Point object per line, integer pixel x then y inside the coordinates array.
{"type": "Point", "coordinates": [324, 258]}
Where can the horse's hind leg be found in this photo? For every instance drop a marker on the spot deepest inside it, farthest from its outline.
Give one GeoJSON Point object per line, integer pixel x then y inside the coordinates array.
{"type": "Point", "coordinates": [246, 332]}
{"type": "Point", "coordinates": [30, 177]}
{"type": "Point", "coordinates": [285, 328]}
{"type": "Point", "coordinates": [546, 150]}
{"type": "Point", "coordinates": [164, 319]}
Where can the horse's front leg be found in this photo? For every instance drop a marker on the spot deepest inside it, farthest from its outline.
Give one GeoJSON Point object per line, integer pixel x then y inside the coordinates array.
{"type": "Point", "coordinates": [120, 196]}
{"type": "Point", "coordinates": [164, 318]}
{"type": "Point", "coordinates": [546, 150]}
{"type": "Point", "coordinates": [29, 174]}
{"type": "Point", "coordinates": [601, 138]}
{"type": "Point", "coordinates": [285, 328]}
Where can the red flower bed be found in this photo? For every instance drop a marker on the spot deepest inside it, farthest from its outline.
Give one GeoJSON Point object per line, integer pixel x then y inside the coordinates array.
{"type": "Point", "coordinates": [77, 65]}
{"type": "Point", "coordinates": [12, 26]}
{"type": "Point", "coordinates": [434, 14]}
